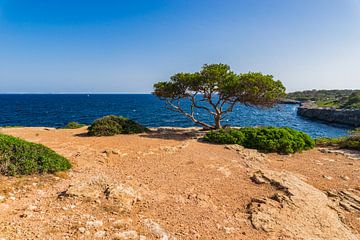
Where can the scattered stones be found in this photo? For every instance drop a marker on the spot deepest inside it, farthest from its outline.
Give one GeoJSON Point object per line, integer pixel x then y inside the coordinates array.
{"type": "Point", "coordinates": [156, 229]}
{"type": "Point", "coordinates": [31, 207]}
{"type": "Point", "coordinates": [100, 234]}
{"type": "Point", "coordinates": [101, 187]}
{"type": "Point", "coordinates": [126, 235]}
{"type": "Point", "coordinates": [224, 171]}
{"type": "Point", "coordinates": [122, 223]}
{"type": "Point", "coordinates": [350, 154]}
{"type": "Point", "coordinates": [96, 223]}
{"type": "Point", "coordinates": [346, 178]}
{"type": "Point", "coordinates": [327, 177]}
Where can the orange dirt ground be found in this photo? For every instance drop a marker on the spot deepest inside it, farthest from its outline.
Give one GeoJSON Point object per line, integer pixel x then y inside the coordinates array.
{"type": "Point", "coordinates": [169, 185]}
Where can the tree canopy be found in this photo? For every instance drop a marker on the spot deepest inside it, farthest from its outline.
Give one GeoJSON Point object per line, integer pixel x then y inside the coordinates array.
{"type": "Point", "coordinates": [216, 89]}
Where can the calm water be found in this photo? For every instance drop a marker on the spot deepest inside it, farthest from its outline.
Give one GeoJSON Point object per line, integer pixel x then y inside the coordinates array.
{"type": "Point", "coordinates": [55, 110]}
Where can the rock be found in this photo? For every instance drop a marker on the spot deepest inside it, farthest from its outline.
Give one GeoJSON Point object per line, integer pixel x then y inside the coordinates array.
{"type": "Point", "coordinates": [126, 235]}
{"type": "Point", "coordinates": [31, 207]}
{"type": "Point", "coordinates": [2, 198]}
{"type": "Point", "coordinates": [3, 206]}
{"type": "Point", "coordinates": [258, 178]}
{"type": "Point", "coordinates": [346, 178]}
{"type": "Point", "coordinates": [348, 200]}
{"type": "Point", "coordinates": [156, 229]}
{"type": "Point", "coordinates": [101, 187]}
{"type": "Point", "coordinates": [100, 234]}
{"type": "Point", "coordinates": [82, 229]}
{"type": "Point", "coordinates": [327, 177]}
{"type": "Point", "coordinates": [96, 223]}
{"type": "Point", "coordinates": [342, 116]}
{"type": "Point", "coordinates": [298, 211]}
{"type": "Point", "coordinates": [121, 223]}
{"type": "Point", "coordinates": [116, 152]}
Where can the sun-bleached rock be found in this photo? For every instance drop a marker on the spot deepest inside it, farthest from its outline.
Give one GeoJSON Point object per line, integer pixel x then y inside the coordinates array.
{"type": "Point", "coordinates": [297, 211]}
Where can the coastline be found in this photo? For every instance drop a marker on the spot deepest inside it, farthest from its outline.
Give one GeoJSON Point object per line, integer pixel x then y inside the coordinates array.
{"type": "Point", "coordinates": [330, 115]}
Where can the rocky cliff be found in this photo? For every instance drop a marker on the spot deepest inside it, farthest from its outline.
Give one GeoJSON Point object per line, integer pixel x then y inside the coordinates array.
{"type": "Point", "coordinates": [331, 115]}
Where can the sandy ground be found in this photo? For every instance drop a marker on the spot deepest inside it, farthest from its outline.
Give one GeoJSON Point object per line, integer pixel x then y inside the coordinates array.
{"type": "Point", "coordinates": [161, 185]}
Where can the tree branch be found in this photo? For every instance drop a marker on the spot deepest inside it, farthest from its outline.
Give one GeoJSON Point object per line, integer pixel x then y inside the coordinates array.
{"type": "Point", "coordinates": [177, 108]}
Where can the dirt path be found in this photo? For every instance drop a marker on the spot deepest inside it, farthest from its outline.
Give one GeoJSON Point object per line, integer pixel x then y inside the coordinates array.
{"type": "Point", "coordinates": [168, 185]}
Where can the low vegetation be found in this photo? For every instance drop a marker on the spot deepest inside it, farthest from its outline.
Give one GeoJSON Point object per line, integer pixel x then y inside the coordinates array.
{"type": "Point", "coordinates": [19, 157]}
{"type": "Point", "coordinates": [351, 142]}
{"type": "Point", "coordinates": [113, 125]}
{"type": "Point", "coordinates": [343, 99]}
{"type": "Point", "coordinates": [266, 139]}
{"type": "Point", "coordinates": [74, 125]}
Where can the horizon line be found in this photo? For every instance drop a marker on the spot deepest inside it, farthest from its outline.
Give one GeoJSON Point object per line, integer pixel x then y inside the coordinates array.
{"type": "Point", "coordinates": [75, 92]}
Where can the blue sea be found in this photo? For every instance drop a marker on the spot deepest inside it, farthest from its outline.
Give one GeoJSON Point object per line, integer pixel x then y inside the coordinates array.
{"type": "Point", "coordinates": [56, 110]}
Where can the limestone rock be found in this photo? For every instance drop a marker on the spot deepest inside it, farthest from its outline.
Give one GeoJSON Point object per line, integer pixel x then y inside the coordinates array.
{"type": "Point", "coordinates": [297, 211]}
{"type": "Point", "coordinates": [126, 235]}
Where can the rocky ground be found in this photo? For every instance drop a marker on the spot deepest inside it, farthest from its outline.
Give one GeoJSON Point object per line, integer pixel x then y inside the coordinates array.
{"type": "Point", "coordinates": [169, 185]}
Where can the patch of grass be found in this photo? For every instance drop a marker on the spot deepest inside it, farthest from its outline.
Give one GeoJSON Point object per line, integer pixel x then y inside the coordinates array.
{"type": "Point", "coordinates": [113, 125]}
{"type": "Point", "coordinates": [73, 125]}
{"type": "Point", "coordinates": [266, 139]}
{"type": "Point", "coordinates": [20, 157]}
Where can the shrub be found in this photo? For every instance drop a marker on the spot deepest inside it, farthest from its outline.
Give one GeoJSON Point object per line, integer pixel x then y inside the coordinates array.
{"type": "Point", "coordinates": [328, 142]}
{"type": "Point", "coordinates": [267, 139]}
{"type": "Point", "coordinates": [112, 125]}
{"type": "Point", "coordinates": [74, 125]}
{"type": "Point", "coordinates": [19, 157]}
{"type": "Point", "coordinates": [228, 136]}
{"type": "Point", "coordinates": [351, 142]}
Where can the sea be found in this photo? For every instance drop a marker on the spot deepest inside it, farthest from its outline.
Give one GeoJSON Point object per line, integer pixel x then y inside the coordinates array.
{"type": "Point", "coordinates": [56, 110]}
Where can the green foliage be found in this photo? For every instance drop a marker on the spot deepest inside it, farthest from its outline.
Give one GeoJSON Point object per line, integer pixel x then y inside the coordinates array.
{"type": "Point", "coordinates": [225, 136]}
{"type": "Point", "coordinates": [351, 142]}
{"type": "Point", "coordinates": [19, 157]}
{"type": "Point", "coordinates": [216, 89]}
{"type": "Point", "coordinates": [113, 125]}
{"type": "Point", "coordinates": [328, 142]}
{"type": "Point", "coordinates": [355, 132]}
{"type": "Point", "coordinates": [353, 101]}
{"type": "Point", "coordinates": [267, 139]}
{"type": "Point", "coordinates": [346, 99]}
{"type": "Point", "coordinates": [73, 125]}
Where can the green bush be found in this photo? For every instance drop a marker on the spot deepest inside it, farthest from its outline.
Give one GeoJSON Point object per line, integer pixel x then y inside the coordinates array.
{"type": "Point", "coordinates": [328, 142]}
{"type": "Point", "coordinates": [228, 136]}
{"type": "Point", "coordinates": [19, 157]}
{"type": "Point", "coordinates": [351, 142]}
{"type": "Point", "coordinates": [267, 139]}
{"type": "Point", "coordinates": [73, 125]}
{"type": "Point", "coordinates": [112, 125]}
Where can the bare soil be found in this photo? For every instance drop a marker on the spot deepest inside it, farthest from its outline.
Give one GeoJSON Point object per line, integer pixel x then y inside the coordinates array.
{"type": "Point", "coordinates": [169, 185]}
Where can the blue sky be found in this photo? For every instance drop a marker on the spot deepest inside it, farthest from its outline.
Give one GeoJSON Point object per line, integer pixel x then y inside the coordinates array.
{"type": "Point", "coordinates": [126, 46]}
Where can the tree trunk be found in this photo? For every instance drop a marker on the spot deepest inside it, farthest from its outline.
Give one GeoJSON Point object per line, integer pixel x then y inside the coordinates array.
{"type": "Point", "coordinates": [217, 121]}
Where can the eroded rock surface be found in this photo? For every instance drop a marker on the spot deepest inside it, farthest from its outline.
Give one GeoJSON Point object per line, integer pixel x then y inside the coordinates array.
{"type": "Point", "coordinates": [297, 210]}
{"type": "Point", "coordinates": [101, 187]}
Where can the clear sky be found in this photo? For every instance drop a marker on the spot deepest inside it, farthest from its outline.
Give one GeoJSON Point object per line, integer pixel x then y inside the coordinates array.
{"type": "Point", "coordinates": [126, 46]}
